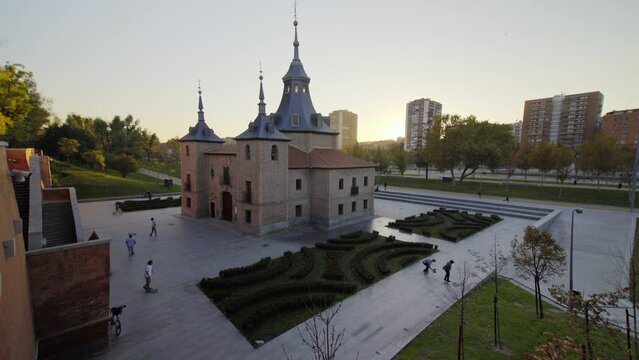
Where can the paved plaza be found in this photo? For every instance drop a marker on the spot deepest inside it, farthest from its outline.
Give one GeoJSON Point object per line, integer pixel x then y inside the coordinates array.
{"type": "Point", "coordinates": [181, 322]}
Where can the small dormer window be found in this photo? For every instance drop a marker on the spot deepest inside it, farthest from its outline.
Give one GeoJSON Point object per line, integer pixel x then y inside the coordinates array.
{"type": "Point", "coordinates": [304, 89]}
{"type": "Point", "coordinates": [295, 120]}
{"type": "Point", "coordinates": [297, 88]}
{"type": "Point", "coordinates": [288, 89]}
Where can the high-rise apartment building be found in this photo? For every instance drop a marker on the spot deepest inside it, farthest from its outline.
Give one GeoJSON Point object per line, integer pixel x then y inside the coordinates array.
{"type": "Point", "coordinates": [562, 119]}
{"type": "Point", "coordinates": [344, 122]}
{"type": "Point", "coordinates": [516, 130]}
{"type": "Point", "coordinates": [623, 125]}
{"type": "Point", "coordinates": [420, 115]}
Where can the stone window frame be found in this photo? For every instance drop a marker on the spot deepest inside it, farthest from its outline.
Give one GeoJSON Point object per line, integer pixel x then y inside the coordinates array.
{"type": "Point", "coordinates": [188, 202]}
{"type": "Point", "coordinates": [298, 184]}
{"type": "Point", "coordinates": [340, 209]}
{"type": "Point", "coordinates": [247, 216]}
{"type": "Point", "coordinates": [341, 184]}
{"type": "Point", "coordinates": [365, 180]}
{"type": "Point", "coordinates": [365, 204]}
{"type": "Point", "coordinates": [295, 120]}
{"type": "Point", "coordinates": [188, 153]}
{"type": "Point", "coordinates": [353, 206]}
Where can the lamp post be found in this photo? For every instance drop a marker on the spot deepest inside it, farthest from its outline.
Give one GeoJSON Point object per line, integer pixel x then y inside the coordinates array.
{"type": "Point", "coordinates": [572, 230]}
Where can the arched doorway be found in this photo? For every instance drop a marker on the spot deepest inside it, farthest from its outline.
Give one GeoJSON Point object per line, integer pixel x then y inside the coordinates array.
{"type": "Point", "coordinates": [227, 206]}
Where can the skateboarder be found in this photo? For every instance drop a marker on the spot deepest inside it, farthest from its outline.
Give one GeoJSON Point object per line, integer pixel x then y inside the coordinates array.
{"type": "Point", "coordinates": [148, 272]}
{"type": "Point", "coordinates": [428, 262]}
{"type": "Point", "coordinates": [447, 268]}
{"type": "Point", "coordinates": [130, 243]}
{"type": "Point", "coordinates": [153, 229]}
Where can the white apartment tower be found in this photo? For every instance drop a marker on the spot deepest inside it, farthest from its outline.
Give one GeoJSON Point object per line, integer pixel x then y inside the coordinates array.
{"type": "Point", "coordinates": [420, 115]}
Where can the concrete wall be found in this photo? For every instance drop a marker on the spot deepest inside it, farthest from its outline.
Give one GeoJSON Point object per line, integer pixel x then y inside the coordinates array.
{"type": "Point", "coordinates": [17, 340]}
{"type": "Point", "coordinates": [70, 296]}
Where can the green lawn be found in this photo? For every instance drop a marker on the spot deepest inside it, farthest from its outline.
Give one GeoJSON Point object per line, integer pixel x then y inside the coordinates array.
{"type": "Point", "coordinates": [516, 190]}
{"type": "Point", "coordinates": [267, 298]}
{"type": "Point", "coordinates": [451, 225]}
{"type": "Point", "coordinates": [520, 328]}
{"type": "Point", "coordinates": [172, 169]}
{"type": "Point", "coordinates": [93, 184]}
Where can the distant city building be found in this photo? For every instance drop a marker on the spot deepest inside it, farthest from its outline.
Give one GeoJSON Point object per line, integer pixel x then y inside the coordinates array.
{"type": "Point", "coordinates": [516, 129]}
{"type": "Point", "coordinates": [623, 125]}
{"type": "Point", "coordinates": [345, 123]}
{"type": "Point", "coordinates": [384, 144]}
{"type": "Point", "coordinates": [420, 115]}
{"type": "Point", "coordinates": [562, 119]}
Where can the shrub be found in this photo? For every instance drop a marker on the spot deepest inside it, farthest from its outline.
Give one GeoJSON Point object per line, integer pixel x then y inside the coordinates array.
{"type": "Point", "coordinates": [337, 247]}
{"type": "Point", "coordinates": [306, 264]}
{"type": "Point", "coordinates": [333, 270]}
{"type": "Point", "coordinates": [251, 278]}
{"type": "Point", "coordinates": [352, 235]}
{"type": "Point", "coordinates": [245, 269]}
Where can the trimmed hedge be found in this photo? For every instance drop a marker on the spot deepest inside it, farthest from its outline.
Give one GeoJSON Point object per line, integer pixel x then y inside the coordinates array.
{"type": "Point", "coordinates": [382, 261]}
{"type": "Point", "coordinates": [236, 303]}
{"type": "Point", "coordinates": [352, 235]}
{"type": "Point", "coordinates": [358, 259]}
{"type": "Point", "coordinates": [333, 270]}
{"type": "Point", "coordinates": [325, 246]}
{"type": "Point", "coordinates": [307, 264]}
{"type": "Point", "coordinates": [251, 278]}
{"type": "Point", "coordinates": [362, 239]}
{"type": "Point", "coordinates": [137, 205]}
{"type": "Point", "coordinates": [245, 269]}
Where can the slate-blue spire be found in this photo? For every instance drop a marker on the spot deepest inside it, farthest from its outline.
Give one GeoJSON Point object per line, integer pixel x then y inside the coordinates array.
{"type": "Point", "coordinates": [200, 113]}
{"type": "Point", "coordinates": [261, 105]}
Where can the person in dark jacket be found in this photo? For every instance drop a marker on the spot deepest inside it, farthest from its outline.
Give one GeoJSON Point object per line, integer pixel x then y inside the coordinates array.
{"type": "Point", "coordinates": [447, 268]}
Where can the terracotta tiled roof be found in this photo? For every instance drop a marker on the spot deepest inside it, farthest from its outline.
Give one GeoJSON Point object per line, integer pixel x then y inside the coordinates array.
{"type": "Point", "coordinates": [324, 159]}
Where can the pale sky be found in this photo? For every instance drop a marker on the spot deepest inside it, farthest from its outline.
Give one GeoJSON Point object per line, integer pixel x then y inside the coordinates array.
{"type": "Point", "coordinates": [482, 57]}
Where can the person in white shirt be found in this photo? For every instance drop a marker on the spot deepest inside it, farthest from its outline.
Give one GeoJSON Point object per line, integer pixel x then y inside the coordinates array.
{"type": "Point", "coordinates": [148, 272]}
{"type": "Point", "coordinates": [153, 229]}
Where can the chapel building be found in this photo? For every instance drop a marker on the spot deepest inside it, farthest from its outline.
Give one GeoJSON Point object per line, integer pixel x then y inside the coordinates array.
{"type": "Point", "coordinates": [284, 170]}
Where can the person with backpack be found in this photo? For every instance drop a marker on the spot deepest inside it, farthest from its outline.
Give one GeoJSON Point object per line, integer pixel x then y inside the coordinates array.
{"type": "Point", "coordinates": [428, 262]}
{"type": "Point", "coordinates": [447, 268]}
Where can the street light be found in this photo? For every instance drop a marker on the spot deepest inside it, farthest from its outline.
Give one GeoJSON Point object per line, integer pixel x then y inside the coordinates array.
{"type": "Point", "coordinates": [572, 230]}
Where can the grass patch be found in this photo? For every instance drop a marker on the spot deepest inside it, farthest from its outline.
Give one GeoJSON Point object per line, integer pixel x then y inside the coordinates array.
{"type": "Point", "coordinates": [172, 169]}
{"type": "Point", "coordinates": [451, 225]}
{"type": "Point", "coordinates": [90, 184]}
{"type": "Point", "coordinates": [520, 328]}
{"type": "Point", "coordinates": [265, 299]}
{"type": "Point", "coordinates": [517, 190]}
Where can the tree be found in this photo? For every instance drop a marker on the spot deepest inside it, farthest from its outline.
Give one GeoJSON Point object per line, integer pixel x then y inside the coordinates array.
{"type": "Point", "coordinates": [380, 157]}
{"type": "Point", "coordinates": [421, 160]}
{"type": "Point", "coordinates": [150, 144]}
{"type": "Point", "coordinates": [25, 133]}
{"type": "Point", "coordinates": [599, 155]}
{"type": "Point", "coordinates": [493, 266]}
{"type": "Point", "coordinates": [14, 95]}
{"type": "Point", "coordinates": [458, 294]}
{"type": "Point", "coordinates": [68, 147]}
{"type": "Point", "coordinates": [542, 158]}
{"type": "Point", "coordinates": [443, 142]}
{"type": "Point", "coordinates": [538, 257]}
{"type": "Point", "coordinates": [593, 309]}
{"type": "Point", "coordinates": [125, 164]}
{"type": "Point", "coordinates": [563, 158]}
{"type": "Point", "coordinates": [523, 158]}
{"type": "Point", "coordinates": [355, 150]}
{"type": "Point", "coordinates": [400, 158]}
{"type": "Point", "coordinates": [626, 164]}
{"type": "Point", "coordinates": [94, 158]}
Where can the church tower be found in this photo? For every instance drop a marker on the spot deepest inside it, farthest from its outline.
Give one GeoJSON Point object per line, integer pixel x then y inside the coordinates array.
{"type": "Point", "coordinates": [262, 167]}
{"type": "Point", "coordinates": [200, 139]}
{"type": "Point", "coordinates": [296, 117]}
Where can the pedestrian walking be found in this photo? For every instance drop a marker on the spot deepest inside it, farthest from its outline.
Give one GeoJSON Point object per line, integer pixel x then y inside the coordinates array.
{"type": "Point", "coordinates": [507, 199]}
{"type": "Point", "coordinates": [130, 243]}
{"type": "Point", "coordinates": [428, 262]}
{"type": "Point", "coordinates": [479, 193]}
{"type": "Point", "coordinates": [148, 272]}
{"type": "Point", "coordinates": [153, 228]}
{"type": "Point", "coordinates": [385, 183]}
{"type": "Point", "coordinates": [447, 268]}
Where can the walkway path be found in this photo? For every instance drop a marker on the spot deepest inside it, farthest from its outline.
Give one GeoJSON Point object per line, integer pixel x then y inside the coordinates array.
{"type": "Point", "coordinates": [159, 175]}
{"type": "Point", "coordinates": [180, 322]}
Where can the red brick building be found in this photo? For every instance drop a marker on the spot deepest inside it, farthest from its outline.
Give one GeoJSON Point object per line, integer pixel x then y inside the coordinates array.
{"type": "Point", "coordinates": [623, 125]}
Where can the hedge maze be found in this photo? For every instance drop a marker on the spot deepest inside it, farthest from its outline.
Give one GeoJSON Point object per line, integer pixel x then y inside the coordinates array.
{"type": "Point", "coordinates": [157, 203]}
{"type": "Point", "coordinates": [267, 298]}
{"type": "Point", "coordinates": [451, 225]}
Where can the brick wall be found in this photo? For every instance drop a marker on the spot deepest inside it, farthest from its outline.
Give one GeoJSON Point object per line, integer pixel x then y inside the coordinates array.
{"type": "Point", "coordinates": [70, 296]}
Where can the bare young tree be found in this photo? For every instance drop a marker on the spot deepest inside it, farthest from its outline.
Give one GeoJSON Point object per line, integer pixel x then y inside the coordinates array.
{"type": "Point", "coordinates": [493, 265]}
{"type": "Point", "coordinates": [320, 334]}
{"type": "Point", "coordinates": [463, 282]}
{"type": "Point", "coordinates": [538, 257]}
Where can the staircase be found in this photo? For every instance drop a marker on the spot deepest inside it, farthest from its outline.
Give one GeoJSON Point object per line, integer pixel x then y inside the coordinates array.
{"type": "Point", "coordinates": [485, 207]}
{"type": "Point", "coordinates": [58, 226]}
{"type": "Point", "coordinates": [21, 191]}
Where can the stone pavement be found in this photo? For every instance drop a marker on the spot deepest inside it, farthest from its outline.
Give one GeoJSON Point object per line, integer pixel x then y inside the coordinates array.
{"type": "Point", "coordinates": [181, 322]}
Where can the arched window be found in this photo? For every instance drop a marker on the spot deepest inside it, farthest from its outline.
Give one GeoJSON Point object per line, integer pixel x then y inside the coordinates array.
{"type": "Point", "coordinates": [247, 152]}
{"type": "Point", "coordinates": [296, 87]}
{"type": "Point", "coordinates": [187, 150]}
{"type": "Point", "coordinates": [288, 89]}
{"type": "Point", "coordinates": [274, 152]}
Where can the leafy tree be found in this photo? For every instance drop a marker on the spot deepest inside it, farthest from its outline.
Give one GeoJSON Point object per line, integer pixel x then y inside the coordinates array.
{"type": "Point", "coordinates": [593, 309]}
{"type": "Point", "coordinates": [443, 142]}
{"type": "Point", "coordinates": [563, 157]}
{"type": "Point", "coordinates": [400, 158]}
{"type": "Point", "coordinates": [381, 158]}
{"type": "Point", "coordinates": [421, 160]}
{"type": "Point", "coordinates": [599, 155]}
{"type": "Point", "coordinates": [523, 158]}
{"type": "Point", "coordinates": [125, 164]}
{"type": "Point", "coordinates": [68, 147]}
{"type": "Point", "coordinates": [26, 133]}
{"type": "Point", "coordinates": [542, 158]}
{"type": "Point", "coordinates": [14, 95]}
{"type": "Point", "coordinates": [626, 164]}
{"type": "Point", "coordinates": [355, 150]}
{"type": "Point", "coordinates": [94, 158]}
{"type": "Point", "coordinates": [538, 257]}
{"type": "Point", "coordinates": [150, 144]}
